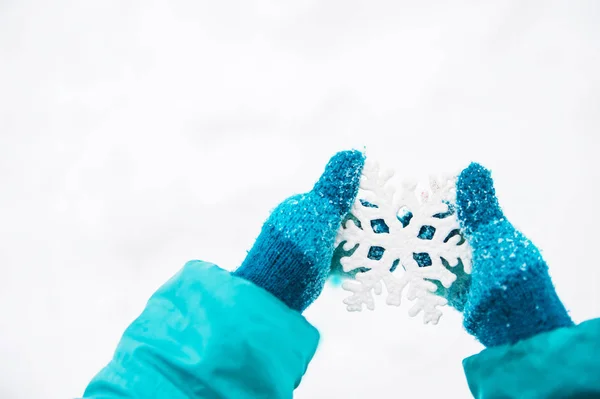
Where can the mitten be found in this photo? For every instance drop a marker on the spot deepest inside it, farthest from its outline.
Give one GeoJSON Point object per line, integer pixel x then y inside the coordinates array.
{"type": "Point", "coordinates": [291, 257]}
{"type": "Point", "coordinates": [511, 296]}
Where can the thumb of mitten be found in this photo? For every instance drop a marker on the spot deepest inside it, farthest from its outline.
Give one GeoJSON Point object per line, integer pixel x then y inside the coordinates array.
{"type": "Point", "coordinates": [476, 200]}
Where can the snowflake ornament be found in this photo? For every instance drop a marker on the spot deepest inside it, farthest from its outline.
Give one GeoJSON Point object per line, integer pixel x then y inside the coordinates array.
{"type": "Point", "coordinates": [390, 227]}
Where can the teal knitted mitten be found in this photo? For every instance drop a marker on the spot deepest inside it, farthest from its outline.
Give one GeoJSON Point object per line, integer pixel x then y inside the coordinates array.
{"type": "Point", "coordinates": [511, 296]}
{"type": "Point", "coordinates": [291, 258]}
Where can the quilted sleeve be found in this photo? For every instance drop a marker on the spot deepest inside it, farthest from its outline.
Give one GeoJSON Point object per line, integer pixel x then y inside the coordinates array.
{"type": "Point", "coordinates": [564, 363]}
{"type": "Point", "coordinates": [208, 334]}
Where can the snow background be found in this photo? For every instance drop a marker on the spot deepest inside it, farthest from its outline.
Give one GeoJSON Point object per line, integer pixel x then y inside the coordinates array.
{"type": "Point", "coordinates": [136, 135]}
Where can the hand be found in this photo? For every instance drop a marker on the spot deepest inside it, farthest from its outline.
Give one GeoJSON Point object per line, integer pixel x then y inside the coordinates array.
{"type": "Point", "coordinates": [511, 296]}
{"type": "Point", "coordinates": [291, 257]}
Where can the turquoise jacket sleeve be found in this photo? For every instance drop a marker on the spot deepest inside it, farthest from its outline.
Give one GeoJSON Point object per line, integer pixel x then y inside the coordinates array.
{"type": "Point", "coordinates": [564, 363]}
{"type": "Point", "coordinates": [208, 334]}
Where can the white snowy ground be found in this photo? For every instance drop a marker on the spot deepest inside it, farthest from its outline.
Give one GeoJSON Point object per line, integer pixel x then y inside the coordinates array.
{"type": "Point", "coordinates": [135, 135]}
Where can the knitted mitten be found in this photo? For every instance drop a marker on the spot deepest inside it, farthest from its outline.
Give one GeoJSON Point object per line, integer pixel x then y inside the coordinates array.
{"type": "Point", "coordinates": [291, 258]}
{"type": "Point", "coordinates": [511, 296]}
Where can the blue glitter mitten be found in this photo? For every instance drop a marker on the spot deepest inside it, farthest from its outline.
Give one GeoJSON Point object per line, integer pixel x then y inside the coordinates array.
{"type": "Point", "coordinates": [511, 295]}
{"type": "Point", "coordinates": [291, 258]}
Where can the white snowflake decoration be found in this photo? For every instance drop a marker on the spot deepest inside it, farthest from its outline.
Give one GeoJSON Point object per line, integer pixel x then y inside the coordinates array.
{"type": "Point", "coordinates": [379, 208]}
